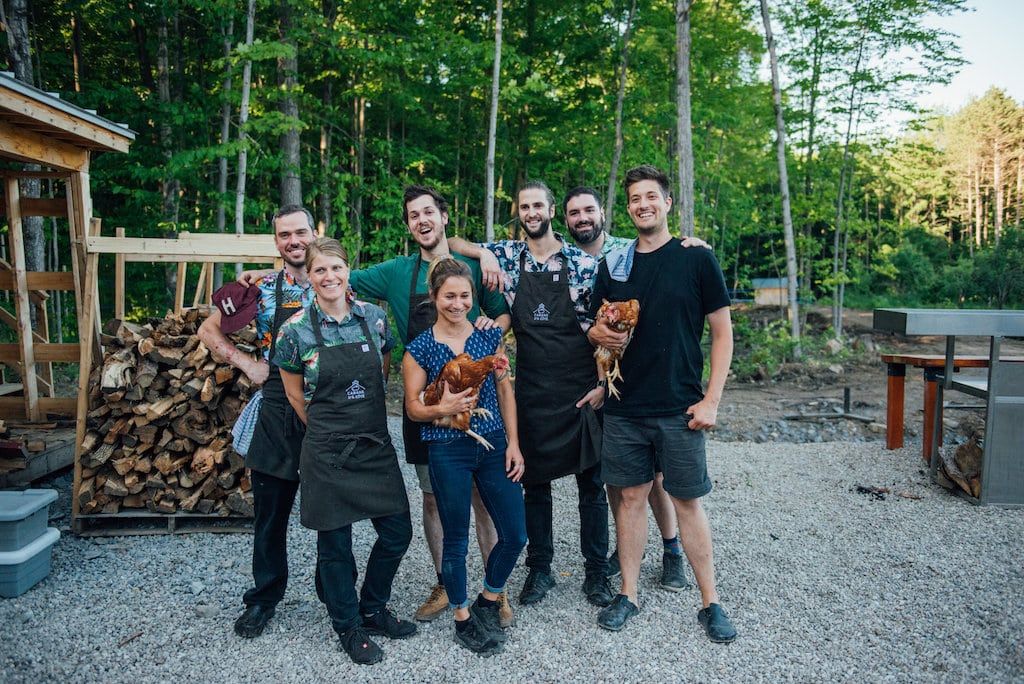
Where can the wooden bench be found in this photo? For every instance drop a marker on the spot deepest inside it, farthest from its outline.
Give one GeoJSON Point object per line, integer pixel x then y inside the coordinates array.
{"type": "Point", "coordinates": [896, 370]}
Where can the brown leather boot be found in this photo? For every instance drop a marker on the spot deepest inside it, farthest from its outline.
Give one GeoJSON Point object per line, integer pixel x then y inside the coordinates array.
{"type": "Point", "coordinates": [505, 614]}
{"type": "Point", "coordinates": [434, 606]}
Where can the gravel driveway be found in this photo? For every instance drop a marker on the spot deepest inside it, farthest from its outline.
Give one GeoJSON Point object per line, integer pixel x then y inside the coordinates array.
{"type": "Point", "coordinates": [823, 583]}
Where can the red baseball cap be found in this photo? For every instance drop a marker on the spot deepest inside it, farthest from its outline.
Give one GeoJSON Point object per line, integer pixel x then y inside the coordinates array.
{"type": "Point", "coordinates": [237, 305]}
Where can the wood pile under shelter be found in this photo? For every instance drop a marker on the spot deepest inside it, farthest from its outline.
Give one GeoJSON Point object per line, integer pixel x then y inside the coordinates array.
{"type": "Point", "coordinates": [159, 423]}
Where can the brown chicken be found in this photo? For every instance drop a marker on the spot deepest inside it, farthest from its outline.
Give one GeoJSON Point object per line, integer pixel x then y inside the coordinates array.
{"type": "Point", "coordinates": [462, 373]}
{"type": "Point", "coordinates": [620, 317]}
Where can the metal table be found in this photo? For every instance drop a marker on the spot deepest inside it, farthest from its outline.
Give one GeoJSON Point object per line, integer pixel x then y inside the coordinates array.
{"type": "Point", "coordinates": [1002, 476]}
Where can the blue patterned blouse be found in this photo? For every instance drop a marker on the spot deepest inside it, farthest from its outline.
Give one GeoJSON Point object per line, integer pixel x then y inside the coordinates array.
{"type": "Point", "coordinates": [431, 356]}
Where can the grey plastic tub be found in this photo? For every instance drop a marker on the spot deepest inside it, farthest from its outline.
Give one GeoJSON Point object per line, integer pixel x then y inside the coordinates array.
{"type": "Point", "coordinates": [23, 516]}
{"type": "Point", "coordinates": [23, 569]}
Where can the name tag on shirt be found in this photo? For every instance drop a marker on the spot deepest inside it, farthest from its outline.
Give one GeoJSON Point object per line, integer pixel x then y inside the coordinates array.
{"type": "Point", "coordinates": [554, 278]}
{"type": "Point", "coordinates": [366, 347]}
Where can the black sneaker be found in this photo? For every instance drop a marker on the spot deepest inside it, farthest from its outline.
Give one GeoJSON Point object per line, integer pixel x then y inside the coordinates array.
{"type": "Point", "coordinates": [384, 623]}
{"type": "Point", "coordinates": [716, 623]}
{"type": "Point", "coordinates": [536, 587]}
{"type": "Point", "coordinates": [614, 569]}
{"type": "Point", "coordinates": [250, 624]}
{"type": "Point", "coordinates": [477, 638]}
{"type": "Point", "coordinates": [597, 589]}
{"type": "Point", "coordinates": [673, 577]}
{"type": "Point", "coordinates": [618, 612]}
{"type": "Point", "coordinates": [489, 619]}
{"type": "Point", "coordinates": [360, 647]}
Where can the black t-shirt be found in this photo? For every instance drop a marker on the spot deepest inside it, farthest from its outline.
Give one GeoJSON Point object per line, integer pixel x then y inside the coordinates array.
{"type": "Point", "coordinates": [677, 288]}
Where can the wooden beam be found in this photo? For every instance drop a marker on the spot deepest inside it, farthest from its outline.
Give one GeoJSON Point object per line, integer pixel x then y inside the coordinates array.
{"type": "Point", "coordinates": [224, 249]}
{"type": "Point", "coordinates": [19, 173]}
{"type": "Point", "coordinates": [39, 206]}
{"type": "Point", "coordinates": [14, 407]}
{"type": "Point", "coordinates": [45, 351]}
{"type": "Point", "coordinates": [91, 135]}
{"type": "Point", "coordinates": [45, 368]}
{"type": "Point", "coordinates": [119, 279]}
{"type": "Point", "coordinates": [201, 285]}
{"type": "Point", "coordinates": [23, 307]}
{"type": "Point", "coordinates": [40, 280]}
{"type": "Point", "coordinates": [27, 146]}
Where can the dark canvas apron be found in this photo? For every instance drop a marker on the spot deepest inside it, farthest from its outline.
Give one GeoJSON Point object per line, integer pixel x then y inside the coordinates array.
{"type": "Point", "coordinates": [349, 467]}
{"type": "Point", "coordinates": [554, 369]}
{"type": "Point", "coordinates": [277, 438]}
{"type": "Point", "coordinates": [422, 315]}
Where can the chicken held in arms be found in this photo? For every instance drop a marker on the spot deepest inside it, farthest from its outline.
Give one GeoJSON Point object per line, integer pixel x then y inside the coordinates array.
{"type": "Point", "coordinates": [620, 317]}
{"type": "Point", "coordinates": [460, 374]}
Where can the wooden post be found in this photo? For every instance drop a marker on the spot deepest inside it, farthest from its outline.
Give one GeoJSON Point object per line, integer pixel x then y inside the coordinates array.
{"type": "Point", "coordinates": [87, 318]}
{"type": "Point", "coordinates": [24, 310]}
{"type": "Point", "coordinates": [204, 273]}
{"type": "Point", "coordinates": [894, 397]}
{"type": "Point", "coordinates": [931, 424]}
{"type": "Point", "coordinates": [119, 280]}
{"type": "Point", "coordinates": [179, 287]}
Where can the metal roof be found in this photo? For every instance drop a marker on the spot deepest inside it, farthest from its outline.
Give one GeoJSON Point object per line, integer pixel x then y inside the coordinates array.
{"type": "Point", "coordinates": [54, 100]}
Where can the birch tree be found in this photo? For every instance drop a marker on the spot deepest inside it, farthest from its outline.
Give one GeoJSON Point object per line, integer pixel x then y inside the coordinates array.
{"type": "Point", "coordinates": [780, 153]}
{"type": "Point", "coordinates": [609, 198]}
{"type": "Point", "coordinates": [243, 118]}
{"type": "Point", "coordinates": [492, 127]}
{"type": "Point", "coordinates": [684, 130]}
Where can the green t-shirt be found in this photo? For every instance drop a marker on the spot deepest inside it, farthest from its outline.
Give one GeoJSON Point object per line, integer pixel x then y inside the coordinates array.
{"type": "Point", "coordinates": [389, 281]}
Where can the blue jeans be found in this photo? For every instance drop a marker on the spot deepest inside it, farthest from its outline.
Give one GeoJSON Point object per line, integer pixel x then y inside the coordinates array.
{"type": "Point", "coordinates": [454, 466]}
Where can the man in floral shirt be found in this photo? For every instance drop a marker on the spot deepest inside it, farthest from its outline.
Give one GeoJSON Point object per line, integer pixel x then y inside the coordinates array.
{"type": "Point", "coordinates": [548, 283]}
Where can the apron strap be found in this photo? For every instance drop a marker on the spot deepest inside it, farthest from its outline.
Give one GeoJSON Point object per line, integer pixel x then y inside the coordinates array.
{"type": "Point", "coordinates": [278, 303]}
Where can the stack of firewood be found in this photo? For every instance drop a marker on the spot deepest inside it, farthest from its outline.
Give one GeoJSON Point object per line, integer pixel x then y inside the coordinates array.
{"type": "Point", "coordinates": [158, 433]}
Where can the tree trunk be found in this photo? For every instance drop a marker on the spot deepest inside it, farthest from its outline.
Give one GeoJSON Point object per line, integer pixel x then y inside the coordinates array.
{"type": "Point", "coordinates": [77, 65]}
{"type": "Point", "coordinates": [21, 63]}
{"type": "Point", "coordinates": [139, 33]}
{"type": "Point", "coordinates": [358, 170]}
{"type": "Point", "coordinates": [609, 198]}
{"type": "Point", "coordinates": [837, 310]}
{"type": "Point", "coordinates": [243, 118]}
{"type": "Point", "coordinates": [324, 203]}
{"type": "Point", "coordinates": [225, 137]}
{"type": "Point", "coordinates": [287, 68]}
{"type": "Point", "coordinates": [684, 131]}
{"type": "Point", "coordinates": [492, 125]}
{"type": "Point", "coordinates": [997, 185]}
{"type": "Point", "coordinates": [1020, 186]}
{"type": "Point", "coordinates": [977, 205]}
{"type": "Point", "coordinates": [169, 185]}
{"type": "Point", "coordinates": [780, 153]}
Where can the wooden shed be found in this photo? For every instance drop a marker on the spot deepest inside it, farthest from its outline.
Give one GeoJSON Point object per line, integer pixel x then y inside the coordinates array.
{"type": "Point", "coordinates": [42, 129]}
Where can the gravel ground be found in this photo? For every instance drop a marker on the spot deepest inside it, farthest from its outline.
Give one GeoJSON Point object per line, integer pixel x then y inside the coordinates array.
{"type": "Point", "coordinates": [823, 583]}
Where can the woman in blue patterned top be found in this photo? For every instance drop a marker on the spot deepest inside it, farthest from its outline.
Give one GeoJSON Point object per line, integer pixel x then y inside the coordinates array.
{"type": "Point", "coordinates": [457, 461]}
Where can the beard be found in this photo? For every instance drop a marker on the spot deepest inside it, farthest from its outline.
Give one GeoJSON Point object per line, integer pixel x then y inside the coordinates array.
{"type": "Point", "coordinates": [588, 233]}
{"type": "Point", "coordinates": [541, 231]}
{"type": "Point", "coordinates": [301, 263]}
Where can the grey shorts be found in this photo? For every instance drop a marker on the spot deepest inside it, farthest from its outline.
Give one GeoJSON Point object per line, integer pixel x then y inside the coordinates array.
{"type": "Point", "coordinates": [423, 474]}
{"type": "Point", "coordinates": [633, 449]}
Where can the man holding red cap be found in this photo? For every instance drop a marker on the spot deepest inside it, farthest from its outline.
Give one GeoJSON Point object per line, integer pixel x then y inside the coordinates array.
{"type": "Point", "coordinates": [273, 455]}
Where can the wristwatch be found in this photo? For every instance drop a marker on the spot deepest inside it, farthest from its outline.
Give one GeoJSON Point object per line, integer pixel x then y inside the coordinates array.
{"type": "Point", "coordinates": [603, 384]}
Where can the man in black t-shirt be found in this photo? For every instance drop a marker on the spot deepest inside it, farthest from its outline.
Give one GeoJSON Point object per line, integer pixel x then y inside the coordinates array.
{"type": "Point", "coordinates": [663, 410]}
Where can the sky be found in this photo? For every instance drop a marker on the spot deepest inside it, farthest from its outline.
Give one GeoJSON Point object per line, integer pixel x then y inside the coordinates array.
{"type": "Point", "coordinates": [991, 40]}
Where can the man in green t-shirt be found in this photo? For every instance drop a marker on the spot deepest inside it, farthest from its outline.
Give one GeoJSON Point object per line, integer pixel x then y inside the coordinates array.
{"type": "Point", "coordinates": [402, 283]}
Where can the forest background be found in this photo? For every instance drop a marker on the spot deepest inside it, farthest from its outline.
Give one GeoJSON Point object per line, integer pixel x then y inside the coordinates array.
{"type": "Point", "coordinates": [338, 104]}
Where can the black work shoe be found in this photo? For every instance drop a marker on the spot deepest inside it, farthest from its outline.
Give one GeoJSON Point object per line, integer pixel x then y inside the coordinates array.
{"type": "Point", "coordinates": [384, 623]}
{"type": "Point", "coordinates": [477, 638]}
{"type": "Point", "coordinates": [716, 623]}
{"type": "Point", "coordinates": [536, 587]}
{"type": "Point", "coordinates": [360, 647]}
{"type": "Point", "coordinates": [490, 620]}
{"type": "Point", "coordinates": [250, 624]}
{"type": "Point", "coordinates": [597, 589]}
{"type": "Point", "coordinates": [614, 617]}
{"type": "Point", "coordinates": [614, 569]}
{"type": "Point", "coordinates": [673, 577]}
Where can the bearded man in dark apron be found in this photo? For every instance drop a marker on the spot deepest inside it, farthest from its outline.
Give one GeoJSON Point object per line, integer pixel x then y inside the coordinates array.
{"type": "Point", "coordinates": [273, 455]}
{"type": "Point", "coordinates": [548, 284]}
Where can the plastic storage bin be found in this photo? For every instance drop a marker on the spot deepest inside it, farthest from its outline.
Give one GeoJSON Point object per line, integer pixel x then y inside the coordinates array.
{"type": "Point", "coordinates": [21, 570]}
{"type": "Point", "coordinates": [23, 516]}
